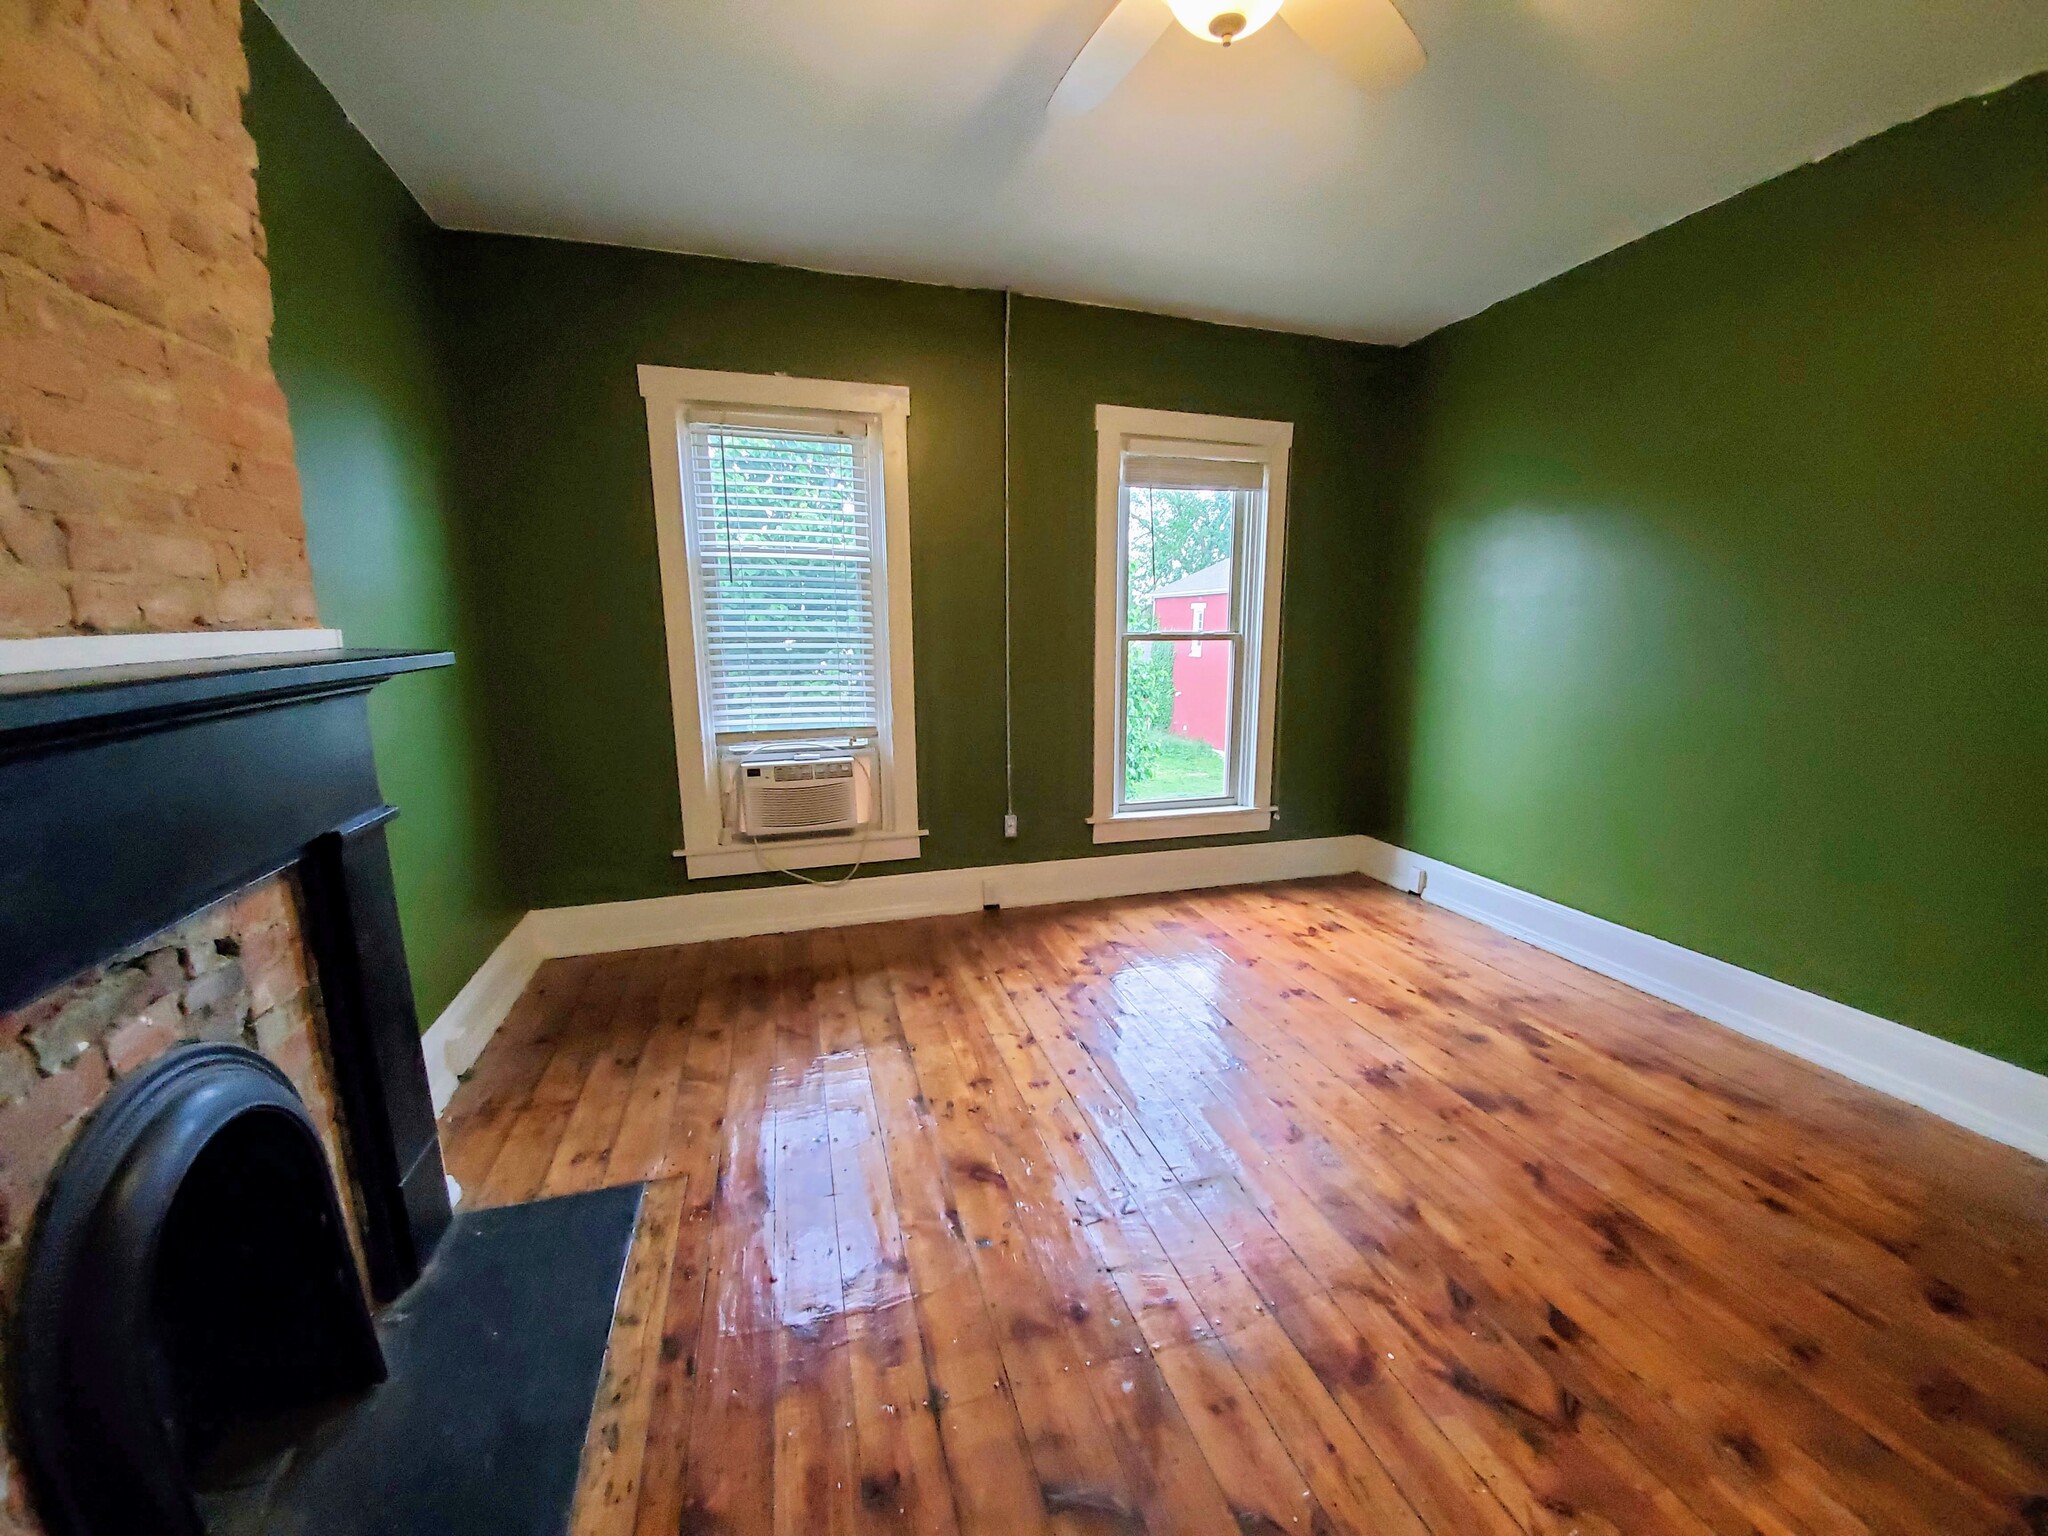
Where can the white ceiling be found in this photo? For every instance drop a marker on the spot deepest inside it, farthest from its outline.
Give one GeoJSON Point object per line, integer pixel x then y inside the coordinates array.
{"type": "Point", "coordinates": [907, 138]}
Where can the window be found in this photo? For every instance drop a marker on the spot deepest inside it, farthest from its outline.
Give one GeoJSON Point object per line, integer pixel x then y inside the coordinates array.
{"type": "Point", "coordinates": [783, 531]}
{"type": "Point", "coordinates": [1191, 518]}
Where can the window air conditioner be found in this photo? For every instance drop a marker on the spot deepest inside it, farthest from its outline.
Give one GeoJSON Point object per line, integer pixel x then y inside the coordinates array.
{"type": "Point", "coordinates": [797, 791]}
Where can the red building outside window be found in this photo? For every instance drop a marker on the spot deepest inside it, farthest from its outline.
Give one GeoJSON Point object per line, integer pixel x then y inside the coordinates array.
{"type": "Point", "coordinates": [1201, 674]}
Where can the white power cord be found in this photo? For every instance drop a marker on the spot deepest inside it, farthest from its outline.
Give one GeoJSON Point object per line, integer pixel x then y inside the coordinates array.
{"type": "Point", "coordinates": [860, 858]}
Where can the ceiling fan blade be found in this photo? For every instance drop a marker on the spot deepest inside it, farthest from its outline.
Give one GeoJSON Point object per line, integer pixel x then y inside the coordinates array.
{"type": "Point", "coordinates": [1113, 52]}
{"type": "Point", "coordinates": [1368, 39]}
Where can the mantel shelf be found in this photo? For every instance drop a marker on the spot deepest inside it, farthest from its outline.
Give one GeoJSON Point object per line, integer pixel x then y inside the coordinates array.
{"type": "Point", "coordinates": [42, 709]}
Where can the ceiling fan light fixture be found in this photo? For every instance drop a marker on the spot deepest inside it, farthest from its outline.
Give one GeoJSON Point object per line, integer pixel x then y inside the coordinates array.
{"type": "Point", "coordinates": [1226, 22]}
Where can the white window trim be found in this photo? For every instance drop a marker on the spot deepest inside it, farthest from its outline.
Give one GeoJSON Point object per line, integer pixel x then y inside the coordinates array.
{"type": "Point", "coordinates": [706, 850]}
{"type": "Point", "coordinates": [1115, 427]}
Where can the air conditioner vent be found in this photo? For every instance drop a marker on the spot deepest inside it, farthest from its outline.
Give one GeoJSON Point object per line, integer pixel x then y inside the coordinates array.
{"type": "Point", "coordinates": [806, 792]}
{"type": "Point", "coordinates": [799, 807]}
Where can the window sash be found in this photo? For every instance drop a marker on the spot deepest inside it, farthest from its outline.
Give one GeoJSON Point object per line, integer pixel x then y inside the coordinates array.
{"type": "Point", "coordinates": [1233, 760]}
{"type": "Point", "coordinates": [792, 619]}
{"type": "Point", "coordinates": [1247, 527]}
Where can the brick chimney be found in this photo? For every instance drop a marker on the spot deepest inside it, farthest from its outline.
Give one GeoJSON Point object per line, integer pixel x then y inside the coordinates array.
{"type": "Point", "coordinates": [146, 476]}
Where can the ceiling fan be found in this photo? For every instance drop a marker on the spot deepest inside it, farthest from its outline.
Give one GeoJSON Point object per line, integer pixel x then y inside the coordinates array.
{"type": "Point", "coordinates": [1366, 39]}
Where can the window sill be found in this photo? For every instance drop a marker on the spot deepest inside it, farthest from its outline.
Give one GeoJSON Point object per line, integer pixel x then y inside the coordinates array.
{"type": "Point", "coordinates": [1147, 826]}
{"type": "Point", "coordinates": [810, 853]}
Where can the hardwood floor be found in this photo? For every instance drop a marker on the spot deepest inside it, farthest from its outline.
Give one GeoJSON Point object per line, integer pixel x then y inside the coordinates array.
{"type": "Point", "coordinates": [1299, 1208]}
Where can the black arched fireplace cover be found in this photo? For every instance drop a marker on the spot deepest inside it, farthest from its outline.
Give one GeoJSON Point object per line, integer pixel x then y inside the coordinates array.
{"type": "Point", "coordinates": [189, 1284]}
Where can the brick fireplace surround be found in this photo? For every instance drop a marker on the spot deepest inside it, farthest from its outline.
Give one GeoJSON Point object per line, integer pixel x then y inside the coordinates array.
{"type": "Point", "coordinates": [234, 972]}
{"type": "Point", "coordinates": [146, 484]}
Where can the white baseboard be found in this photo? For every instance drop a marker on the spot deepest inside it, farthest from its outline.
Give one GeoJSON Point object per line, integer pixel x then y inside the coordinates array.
{"type": "Point", "coordinates": [455, 1039]}
{"type": "Point", "coordinates": [1992, 1097]}
{"type": "Point", "coordinates": [67, 653]}
{"type": "Point", "coordinates": [929, 893]}
{"type": "Point", "coordinates": [1981, 1093]}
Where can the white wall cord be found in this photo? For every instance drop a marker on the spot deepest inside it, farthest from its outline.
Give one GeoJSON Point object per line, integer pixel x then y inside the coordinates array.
{"type": "Point", "coordinates": [1009, 712]}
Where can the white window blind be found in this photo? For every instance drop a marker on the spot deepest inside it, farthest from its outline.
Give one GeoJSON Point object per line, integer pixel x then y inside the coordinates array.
{"type": "Point", "coordinates": [785, 531]}
{"type": "Point", "coordinates": [1170, 472]}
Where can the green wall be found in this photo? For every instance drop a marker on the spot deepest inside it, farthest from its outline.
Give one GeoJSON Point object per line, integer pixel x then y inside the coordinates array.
{"type": "Point", "coordinates": [546, 338]}
{"type": "Point", "coordinates": [1702, 588]}
{"type": "Point", "coordinates": [355, 350]}
{"type": "Point", "coordinates": [1729, 594]}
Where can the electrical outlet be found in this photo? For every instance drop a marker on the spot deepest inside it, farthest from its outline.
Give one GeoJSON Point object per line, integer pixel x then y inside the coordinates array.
{"type": "Point", "coordinates": [1010, 825]}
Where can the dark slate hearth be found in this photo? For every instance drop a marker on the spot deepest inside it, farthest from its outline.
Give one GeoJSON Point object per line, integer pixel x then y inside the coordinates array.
{"type": "Point", "coordinates": [494, 1358]}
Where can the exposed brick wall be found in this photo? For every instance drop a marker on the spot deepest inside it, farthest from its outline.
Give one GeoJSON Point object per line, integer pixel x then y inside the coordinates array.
{"type": "Point", "coordinates": [235, 972]}
{"type": "Point", "coordinates": [146, 476]}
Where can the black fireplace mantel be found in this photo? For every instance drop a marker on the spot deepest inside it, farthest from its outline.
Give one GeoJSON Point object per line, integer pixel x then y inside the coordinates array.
{"type": "Point", "coordinates": [132, 797]}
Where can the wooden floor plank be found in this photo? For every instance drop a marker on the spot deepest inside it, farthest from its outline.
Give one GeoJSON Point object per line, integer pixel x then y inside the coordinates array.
{"type": "Point", "coordinates": [608, 1490]}
{"type": "Point", "coordinates": [525, 1042]}
{"type": "Point", "coordinates": [725, 1481]}
{"type": "Point", "coordinates": [1302, 1207]}
{"type": "Point", "coordinates": [525, 1153]}
{"type": "Point", "coordinates": [1265, 1487]}
{"type": "Point", "coordinates": [641, 1148]}
{"type": "Point", "coordinates": [904, 1481]}
{"type": "Point", "coordinates": [583, 1160]}
{"type": "Point", "coordinates": [496, 1090]}
{"type": "Point", "coordinates": [1175, 1488]}
{"type": "Point", "coordinates": [673, 1398]}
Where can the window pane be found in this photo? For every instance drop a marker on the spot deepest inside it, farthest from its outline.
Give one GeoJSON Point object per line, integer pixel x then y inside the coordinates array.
{"type": "Point", "coordinates": [785, 545]}
{"type": "Point", "coordinates": [1177, 553]}
{"type": "Point", "coordinates": [1177, 720]}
